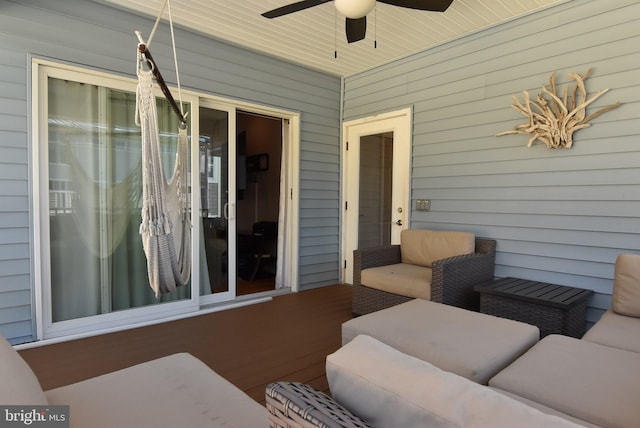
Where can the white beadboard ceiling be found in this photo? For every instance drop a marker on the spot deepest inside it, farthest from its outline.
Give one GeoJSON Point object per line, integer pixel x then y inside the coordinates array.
{"type": "Point", "coordinates": [312, 36]}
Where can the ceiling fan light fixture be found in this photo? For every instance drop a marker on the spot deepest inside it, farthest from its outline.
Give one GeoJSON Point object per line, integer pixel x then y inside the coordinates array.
{"type": "Point", "coordinates": [355, 9]}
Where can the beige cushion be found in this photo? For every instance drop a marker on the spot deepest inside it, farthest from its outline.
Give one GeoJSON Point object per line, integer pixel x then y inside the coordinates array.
{"type": "Point", "coordinates": [626, 285]}
{"type": "Point", "coordinates": [402, 278]}
{"type": "Point", "coordinates": [615, 330]}
{"type": "Point", "coordinates": [586, 380]}
{"type": "Point", "coordinates": [18, 383]}
{"type": "Point", "coordinates": [423, 247]}
{"type": "Point", "coordinates": [470, 344]}
{"type": "Point", "coordinates": [174, 391]}
{"type": "Point", "coordinates": [545, 409]}
{"type": "Point", "coordinates": [390, 389]}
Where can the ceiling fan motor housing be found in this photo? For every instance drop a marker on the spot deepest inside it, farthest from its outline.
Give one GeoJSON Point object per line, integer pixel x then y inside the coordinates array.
{"type": "Point", "coordinates": [355, 9]}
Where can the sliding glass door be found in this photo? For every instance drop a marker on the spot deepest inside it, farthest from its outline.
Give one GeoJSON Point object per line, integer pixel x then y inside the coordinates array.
{"type": "Point", "coordinates": [94, 267]}
{"type": "Point", "coordinates": [90, 267]}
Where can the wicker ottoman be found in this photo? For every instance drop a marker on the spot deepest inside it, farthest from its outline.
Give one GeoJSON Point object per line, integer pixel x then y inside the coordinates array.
{"type": "Point", "coordinates": [470, 344]}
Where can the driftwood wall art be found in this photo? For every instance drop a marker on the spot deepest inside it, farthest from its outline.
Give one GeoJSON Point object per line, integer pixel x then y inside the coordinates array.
{"type": "Point", "coordinates": [553, 119]}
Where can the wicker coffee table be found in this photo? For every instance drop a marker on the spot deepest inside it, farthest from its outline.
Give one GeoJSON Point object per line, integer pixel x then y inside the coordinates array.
{"type": "Point", "coordinates": [554, 309]}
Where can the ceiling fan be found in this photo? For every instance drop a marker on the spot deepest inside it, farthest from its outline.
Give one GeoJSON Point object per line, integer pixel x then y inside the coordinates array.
{"type": "Point", "coordinates": [356, 11]}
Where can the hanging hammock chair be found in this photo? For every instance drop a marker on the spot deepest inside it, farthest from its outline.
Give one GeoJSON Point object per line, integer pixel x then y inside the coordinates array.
{"type": "Point", "coordinates": [166, 225]}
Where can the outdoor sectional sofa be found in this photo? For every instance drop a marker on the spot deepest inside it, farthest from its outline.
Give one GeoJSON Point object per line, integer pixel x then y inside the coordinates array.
{"type": "Point", "coordinates": [389, 373]}
{"type": "Point", "coordinates": [174, 391]}
{"type": "Point", "coordinates": [379, 378]}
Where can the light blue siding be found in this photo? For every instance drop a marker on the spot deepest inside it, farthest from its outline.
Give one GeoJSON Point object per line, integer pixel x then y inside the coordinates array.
{"type": "Point", "coordinates": [559, 215]}
{"type": "Point", "coordinates": [94, 35]}
{"type": "Point", "coordinates": [15, 277]}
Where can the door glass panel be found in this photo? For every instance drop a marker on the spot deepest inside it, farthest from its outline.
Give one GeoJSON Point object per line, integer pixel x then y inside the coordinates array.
{"type": "Point", "coordinates": [97, 261]}
{"type": "Point", "coordinates": [214, 201]}
{"type": "Point", "coordinates": [259, 161]}
{"type": "Point", "coordinates": [376, 174]}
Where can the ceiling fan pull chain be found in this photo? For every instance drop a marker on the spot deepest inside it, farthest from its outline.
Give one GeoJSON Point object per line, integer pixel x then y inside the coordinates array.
{"type": "Point", "coordinates": [375, 26]}
{"type": "Point", "coordinates": [335, 33]}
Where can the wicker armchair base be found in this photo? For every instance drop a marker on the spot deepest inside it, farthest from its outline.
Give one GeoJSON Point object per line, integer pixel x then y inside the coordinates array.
{"type": "Point", "coordinates": [367, 300]}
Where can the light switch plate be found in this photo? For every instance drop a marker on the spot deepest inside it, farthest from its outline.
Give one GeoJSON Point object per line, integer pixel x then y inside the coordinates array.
{"type": "Point", "coordinates": [423, 205]}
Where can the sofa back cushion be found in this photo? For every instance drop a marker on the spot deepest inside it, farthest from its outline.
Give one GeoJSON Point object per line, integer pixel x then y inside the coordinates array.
{"type": "Point", "coordinates": [423, 247]}
{"type": "Point", "coordinates": [18, 383]}
{"type": "Point", "coordinates": [626, 285]}
{"type": "Point", "coordinates": [390, 389]}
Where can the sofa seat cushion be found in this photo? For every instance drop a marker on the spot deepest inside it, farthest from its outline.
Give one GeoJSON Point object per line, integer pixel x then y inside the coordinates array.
{"type": "Point", "coordinates": [626, 288]}
{"type": "Point", "coordinates": [174, 391]}
{"type": "Point", "coordinates": [390, 389]}
{"type": "Point", "coordinates": [616, 330]}
{"type": "Point", "coordinates": [423, 247]}
{"type": "Point", "coordinates": [586, 380]}
{"type": "Point", "coordinates": [400, 278]}
{"type": "Point", "coordinates": [467, 343]}
{"type": "Point", "coordinates": [18, 384]}
{"type": "Point", "coordinates": [545, 409]}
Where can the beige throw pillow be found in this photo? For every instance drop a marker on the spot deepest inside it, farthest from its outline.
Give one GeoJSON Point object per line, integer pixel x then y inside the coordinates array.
{"type": "Point", "coordinates": [626, 285]}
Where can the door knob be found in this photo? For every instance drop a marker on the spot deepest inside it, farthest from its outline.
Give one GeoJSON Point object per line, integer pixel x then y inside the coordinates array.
{"type": "Point", "coordinates": [399, 222]}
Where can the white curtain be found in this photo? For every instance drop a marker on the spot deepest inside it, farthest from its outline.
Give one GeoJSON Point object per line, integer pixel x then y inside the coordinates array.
{"type": "Point", "coordinates": [96, 257]}
{"type": "Point", "coordinates": [282, 275]}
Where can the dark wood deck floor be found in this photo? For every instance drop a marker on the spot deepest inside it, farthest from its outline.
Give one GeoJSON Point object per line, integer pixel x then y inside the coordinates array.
{"type": "Point", "coordinates": [287, 338]}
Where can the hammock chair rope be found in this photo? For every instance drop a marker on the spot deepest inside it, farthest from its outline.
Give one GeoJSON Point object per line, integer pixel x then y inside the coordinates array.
{"type": "Point", "coordinates": [166, 227]}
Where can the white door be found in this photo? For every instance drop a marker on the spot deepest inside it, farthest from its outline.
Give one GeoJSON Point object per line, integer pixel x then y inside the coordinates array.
{"type": "Point", "coordinates": [376, 171]}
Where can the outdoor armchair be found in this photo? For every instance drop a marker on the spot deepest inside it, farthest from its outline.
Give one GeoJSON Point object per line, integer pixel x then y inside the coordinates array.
{"type": "Point", "coordinates": [425, 268]}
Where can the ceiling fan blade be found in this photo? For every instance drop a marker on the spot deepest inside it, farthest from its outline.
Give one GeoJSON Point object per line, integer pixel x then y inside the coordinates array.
{"type": "Point", "coordinates": [429, 5]}
{"type": "Point", "coordinates": [293, 7]}
{"type": "Point", "coordinates": [356, 29]}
